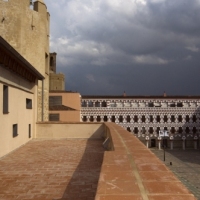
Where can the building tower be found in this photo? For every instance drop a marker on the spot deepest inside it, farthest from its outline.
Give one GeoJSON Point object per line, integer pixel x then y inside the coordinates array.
{"type": "Point", "coordinates": [56, 81]}
{"type": "Point", "coordinates": [25, 26]}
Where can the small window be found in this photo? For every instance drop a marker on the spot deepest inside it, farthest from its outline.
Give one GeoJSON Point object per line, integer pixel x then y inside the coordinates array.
{"type": "Point", "coordinates": [29, 131]}
{"type": "Point", "coordinates": [158, 118]}
{"type": "Point", "coordinates": [150, 104]}
{"type": "Point", "coordinates": [120, 118]}
{"type": "Point", "coordinates": [113, 118]}
{"type": "Point", "coordinates": [15, 130]}
{"type": "Point", "coordinates": [172, 118]}
{"type": "Point", "coordinates": [165, 118]}
{"type": "Point", "coordinates": [179, 104]}
{"type": "Point", "coordinates": [29, 103]}
{"type": "Point", "coordinates": [151, 118]}
{"type": "Point", "coordinates": [143, 118]}
{"type": "Point", "coordinates": [5, 99]}
{"type": "Point", "coordinates": [180, 118]}
{"type": "Point", "coordinates": [54, 117]}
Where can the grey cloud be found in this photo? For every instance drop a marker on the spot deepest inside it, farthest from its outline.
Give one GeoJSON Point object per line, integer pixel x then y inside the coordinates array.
{"type": "Point", "coordinates": [142, 47]}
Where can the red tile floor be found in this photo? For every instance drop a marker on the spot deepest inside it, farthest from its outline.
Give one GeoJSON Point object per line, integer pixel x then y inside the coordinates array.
{"type": "Point", "coordinates": [66, 169]}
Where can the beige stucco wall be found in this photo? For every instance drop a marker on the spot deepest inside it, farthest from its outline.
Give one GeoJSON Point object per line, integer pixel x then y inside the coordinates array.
{"type": "Point", "coordinates": [27, 31]}
{"type": "Point", "coordinates": [68, 115]}
{"type": "Point", "coordinates": [69, 99]}
{"type": "Point", "coordinates": [69, 130]}
{"type": "Point", "coordinates": [18, 114]}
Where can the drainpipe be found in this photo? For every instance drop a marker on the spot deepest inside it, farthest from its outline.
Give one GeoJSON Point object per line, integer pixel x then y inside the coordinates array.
{"type": "Point", "coordinates": [42, 100]}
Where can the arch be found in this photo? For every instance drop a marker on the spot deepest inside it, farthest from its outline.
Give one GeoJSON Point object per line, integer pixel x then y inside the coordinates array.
{"type": "Point", "coordinates": [165, 118]}
{"type": "Point", "coordinates": [180, 130]}
{"type": "Point", "coordinates": [194, 118]}
{"type": "Point", "coordinates": [90, 104]}
{"type": "Point", "coordinates": [180, 118]}
{"type": "Point", "coordinates": [91, 118]}
{"type": "Point", "coordinates": [187, 129]}
{"type": "Point", "coordinates": [157, 130]}
{"type": "Point", "coordinates": [104, 104]}
{"type": "Point", "coordinates": [112, 118]}
{"type": "Point", "coordinates": [128, 129]}
{"type": "Point", "coordinates": [84, 119]}
{"type": "Point", "coordinates": [151, 130]}
{"type": "Point", "coordinates": [172, 130]}
{"type": "Point", "coordinates": [143, 130]}
{"type": "Point", "coordinates": [187, 118]}
{"type": "Point", "coordinates": [150, 118]}
{"type": "Point", "coordinates": [158, 118]}
{"type": "Point", "coordinates": [143, 118]}
{"type": "Point", "coordinates": [194, 129]}
{"type": "Point", "coordinates": [136, 130]}
{"type": "Point", "coordinates": [97, 104]}
{"type": "Point", "coordinates": [105, 118]}
{"type": "Point", "coordinates": [128, 118]}
{"type": "Point", "coordinates": [84, 104]}
{"type": "Point", "coordinates": [172, 118]}
{"type": "Point", "coordinates": [120, 118]}
{"type": "Point", "coordinates": [135, 118]}
{"type": "Point", "coordinates": [98, 118]}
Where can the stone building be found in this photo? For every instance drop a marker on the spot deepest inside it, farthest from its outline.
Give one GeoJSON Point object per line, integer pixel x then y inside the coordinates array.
{"type": "Point", "coordinates": [145, 116]}
{"type": "Point", "coordinates": [25, 26]}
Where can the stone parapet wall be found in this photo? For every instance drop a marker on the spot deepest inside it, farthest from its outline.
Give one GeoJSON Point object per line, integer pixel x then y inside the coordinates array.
{"type": "Point", "coordinates": [131, 171]}
{"type": "Point", "coordinates": [57, 130]}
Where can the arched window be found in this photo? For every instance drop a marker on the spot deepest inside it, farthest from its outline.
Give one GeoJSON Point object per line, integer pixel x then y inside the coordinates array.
{"type": "Point", "coordinates": [128, 119]}
{"type": "Point", "coordinates": [120, 118]}
{"type": "Point", "coordinates": [113, 118]}
{"type": "Point", "coordinates": [105, 118]}
{"type": "Point", "coordinates": [128, 129]}
{"type": "Point", "coordinates": [98, 118]}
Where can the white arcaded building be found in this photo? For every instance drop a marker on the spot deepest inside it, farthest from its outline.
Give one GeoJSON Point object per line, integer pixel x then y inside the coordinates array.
{"type": "Point", "coordinates": [145, 116]}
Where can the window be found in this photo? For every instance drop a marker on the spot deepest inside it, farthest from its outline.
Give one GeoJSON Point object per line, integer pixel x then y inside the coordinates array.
{"type": "Point", "coordinates": [46, 63]}
{"type": "Point", "coordinates": [128, 119]}
{"type": "Point", "coordinates": [15, 130]}
{"type": "Point", "coordinates": [165, 118]}
{"type": "Point", "coordinates": [120, 118]}
{"type": "Point", "coordinates": [55, 100]}
{"type": "Point", "coordinates": [150, 104]}
{"type": "Point", "coordinates": [5, 99]}
{"type": "Point", "coordinates": [54, 117]}
{"type": "Point", "coordinates": [180, 118]}
{"type": "Point", "coordinates": [113, 118]}
{"type": "Point", "coordinates": [105, 118]}
{"type": "Point", "coordinates": [158, 118]}
{"type": "Point", "coordinates": [187, 118]}
{"type": "Point", "coordinates": [135, 118]}
{"type": "Point", "coordinates": [172, 118]}
{"type": "Point", "coordinates": [29, 131]}
{"type": "Point", "coordinates": [179, 104]}
{"type": "Point", "coordinates": [143, 118]}
{"type": "Point", "coordinates": [29, 103]}
{"type": "Point", "coordinates": [151, 118]}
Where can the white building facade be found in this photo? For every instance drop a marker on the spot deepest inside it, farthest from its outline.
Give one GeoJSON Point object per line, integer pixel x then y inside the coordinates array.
{"type": "Point", "coordinates": [145, 116]}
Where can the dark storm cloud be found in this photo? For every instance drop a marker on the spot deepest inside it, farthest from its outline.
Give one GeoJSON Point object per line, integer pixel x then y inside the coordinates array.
{"type": "Point", "coordinates": [140, 46]}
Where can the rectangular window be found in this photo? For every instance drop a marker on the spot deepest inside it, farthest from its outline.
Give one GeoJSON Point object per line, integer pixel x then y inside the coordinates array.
{"type": "Point", "coordinates": [55, 100]}
{"type": "Point", "coordinates": [5, 99]}
{"type": "Point", "coordinates": [15, 130]}
{"type": "Point", "coordinates": [29, 131]}
{"type": "Point", "coordinates": [29, 103]}
{"type": "Point", "coordinates": [54, 117]}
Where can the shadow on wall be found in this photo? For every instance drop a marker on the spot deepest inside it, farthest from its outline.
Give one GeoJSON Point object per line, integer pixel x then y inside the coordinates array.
{"type": "Point", "coordinates": [84, 169]}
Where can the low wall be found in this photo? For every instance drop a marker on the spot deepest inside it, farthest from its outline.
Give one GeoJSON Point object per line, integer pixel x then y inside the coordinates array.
{"type": "Point", "coordinates": [56, 130]}
{"type": "Point", "coordinates": [131, 171]}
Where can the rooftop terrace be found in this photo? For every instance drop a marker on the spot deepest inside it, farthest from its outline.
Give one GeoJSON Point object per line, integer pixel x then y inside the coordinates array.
{"type": "Point", "coordinates": [69, 169]}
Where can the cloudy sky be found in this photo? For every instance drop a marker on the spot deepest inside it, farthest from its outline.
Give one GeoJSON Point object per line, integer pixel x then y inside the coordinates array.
{"type": "Point", "coordinates": [143, 47]}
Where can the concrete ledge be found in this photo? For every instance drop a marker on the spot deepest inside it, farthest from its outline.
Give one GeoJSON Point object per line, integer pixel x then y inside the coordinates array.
{"type": "Point", "coordinates": [69, 130]}
{"type": "Point", "coordinates": [131, 171]}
